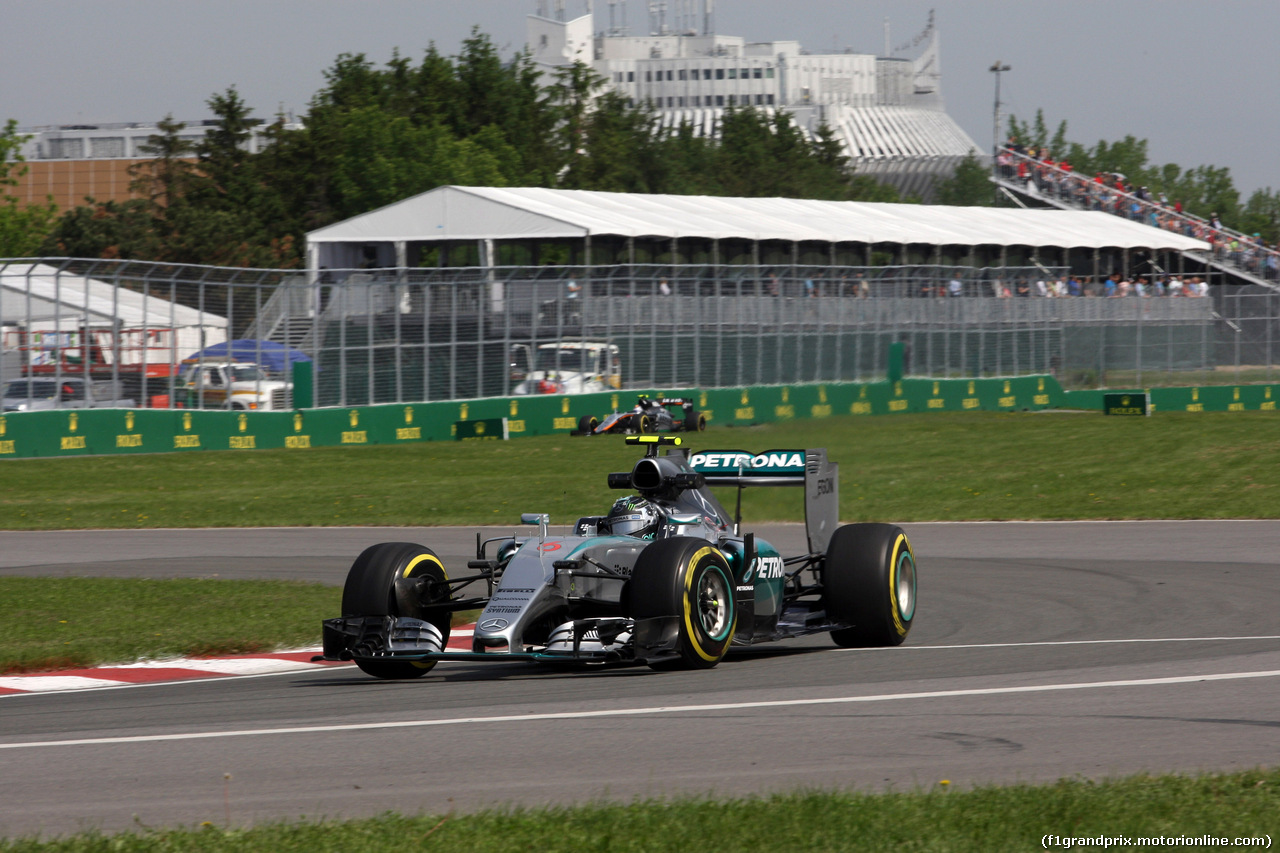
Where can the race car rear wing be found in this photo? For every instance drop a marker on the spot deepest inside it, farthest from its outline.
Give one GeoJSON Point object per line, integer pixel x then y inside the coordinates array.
{"type": "Point", "coordinates": [811, 469]}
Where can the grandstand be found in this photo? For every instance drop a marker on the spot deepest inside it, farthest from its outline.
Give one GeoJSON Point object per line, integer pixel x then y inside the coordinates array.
{"type": "Point", "coordinates": [1030, 182]}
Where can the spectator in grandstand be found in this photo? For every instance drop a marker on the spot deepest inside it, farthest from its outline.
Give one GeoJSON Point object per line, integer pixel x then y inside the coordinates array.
{"type": "Point", "coordinates": [1004, 160]}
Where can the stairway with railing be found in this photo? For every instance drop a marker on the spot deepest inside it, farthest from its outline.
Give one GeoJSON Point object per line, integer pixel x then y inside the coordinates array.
{"type": "Point", "coordinates": [1231, 251]}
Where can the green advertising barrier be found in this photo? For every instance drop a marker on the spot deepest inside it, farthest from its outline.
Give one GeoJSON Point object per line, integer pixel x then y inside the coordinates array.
{"type": "Point", "coordinates": [1205, 398]}
{"type": "Point", "coordinates": [82, 432]}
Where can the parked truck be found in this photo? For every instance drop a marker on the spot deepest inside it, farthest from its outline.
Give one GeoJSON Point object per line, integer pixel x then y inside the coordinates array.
{"type": "Point", "coordinates": [567, 367]}
{"type": "Point", "coordinates": [238, 385]}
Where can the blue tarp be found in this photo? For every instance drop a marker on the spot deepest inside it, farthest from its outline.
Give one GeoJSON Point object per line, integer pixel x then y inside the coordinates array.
{"type": "Point", "coordinates": [277, 358]}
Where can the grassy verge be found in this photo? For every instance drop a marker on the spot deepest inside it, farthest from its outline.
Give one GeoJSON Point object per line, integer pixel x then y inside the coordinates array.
{"type": "Point", "coordinates": [900, 468]}
{"type": "Point", "coordinates": [61, 623]}
{"type": "Point", "coordinates": [64, 623]}
{"type": "Point", "coordinates": [983, 820]}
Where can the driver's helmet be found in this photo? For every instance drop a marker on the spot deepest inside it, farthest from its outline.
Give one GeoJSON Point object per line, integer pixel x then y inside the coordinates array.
{"type": "Point", "coordinates": [633, 516]}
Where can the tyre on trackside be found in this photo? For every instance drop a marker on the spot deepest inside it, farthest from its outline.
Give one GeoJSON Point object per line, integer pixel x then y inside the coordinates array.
{"type": "Point", "coordinates": [869, 583]}
{"type": "Point", "coordinates": [370, 590]}
{"type": "Point", "coordinates": [695, 422]}
{"type": "Point", "coordinates": [587, 424]}
{"type": "Point", "coordinates": [690, 579]}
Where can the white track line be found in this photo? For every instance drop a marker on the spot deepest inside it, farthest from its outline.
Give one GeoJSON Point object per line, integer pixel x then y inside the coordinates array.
{"type": "Point", "coordinates": [671, 709]}
{"type": "Point", "coordinates": [1075, 643]}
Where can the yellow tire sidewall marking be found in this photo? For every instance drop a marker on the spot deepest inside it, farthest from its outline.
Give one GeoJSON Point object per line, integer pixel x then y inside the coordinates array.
{"type": "Point", "coordinates": [408, 571]}
{"type": "Point", "coordinates": [413, 564]}
{"type": "Point", "coordinates": [693, 564]}
{"type": "Point", "coordinates": [894, 608]}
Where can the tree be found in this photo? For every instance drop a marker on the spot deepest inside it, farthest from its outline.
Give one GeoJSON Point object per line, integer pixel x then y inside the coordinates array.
{"type": "Point", "coordinates": [968, 186]}
{"type": "Point", "coordinates": [1262, 215]}
{"type": "Point", "coordinates": [166, 177]}
{"type": "Point", "coordinates": [22, 228]}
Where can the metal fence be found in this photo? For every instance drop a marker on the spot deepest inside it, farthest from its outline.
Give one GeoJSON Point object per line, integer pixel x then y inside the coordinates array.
{"type": "Point", "coordinates": [435, 334]}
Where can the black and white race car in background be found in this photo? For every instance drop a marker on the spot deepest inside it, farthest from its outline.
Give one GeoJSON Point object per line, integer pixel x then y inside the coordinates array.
{"type": "Point", "coordinates": [665, 414]}
{"type": "Point", "coordinates": [665, 578]}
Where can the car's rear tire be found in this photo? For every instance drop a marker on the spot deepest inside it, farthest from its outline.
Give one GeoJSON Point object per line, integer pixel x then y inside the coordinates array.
{"type": "Point", "coordinates": [695, 422]}
{"type": "Point", "coordinates": [587, 424]}
{"type": "Point", "coordinates": [869, 582]}
{"type": "Point", "coordinates": [370, 590]}
{"type": "Point", "coordinates": [688, 578]}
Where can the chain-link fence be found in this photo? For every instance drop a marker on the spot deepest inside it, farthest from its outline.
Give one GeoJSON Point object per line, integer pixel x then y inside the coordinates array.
{"type": "Point", "coordinates": [391, 335]}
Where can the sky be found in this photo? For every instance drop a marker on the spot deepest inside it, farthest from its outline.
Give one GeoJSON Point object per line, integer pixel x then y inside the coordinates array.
{"type": "Point", "coordinates": [1196, 79]}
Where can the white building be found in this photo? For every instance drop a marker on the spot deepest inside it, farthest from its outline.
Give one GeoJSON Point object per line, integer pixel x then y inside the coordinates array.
{"type": "Point", "coordinates": [887, 111]}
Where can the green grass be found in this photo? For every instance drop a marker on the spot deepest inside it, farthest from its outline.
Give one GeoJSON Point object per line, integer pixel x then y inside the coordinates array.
{"type": "Point", "coordinates": [983, 820]}
{"type": "Point", "coordinates": [899, 468]}
{"type": "Point", "coordinates": [62, 623]}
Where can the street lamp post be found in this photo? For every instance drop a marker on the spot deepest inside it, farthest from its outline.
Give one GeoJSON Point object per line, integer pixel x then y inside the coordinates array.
{"type": "Point", "coordinates": [996, 68]}
{"type": "Point", "coordinates": [995, 119]}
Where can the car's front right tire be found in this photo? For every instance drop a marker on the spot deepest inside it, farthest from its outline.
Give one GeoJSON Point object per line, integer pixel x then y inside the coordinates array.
{"type": "Point", "coordinates": [370, 590]}
{"type": "Point", "coordinates": [690, 579]}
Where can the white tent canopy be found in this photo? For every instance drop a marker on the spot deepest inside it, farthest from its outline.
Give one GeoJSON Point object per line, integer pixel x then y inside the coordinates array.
{"type": "Point", "coordinates": [41, 296]}
{"type": "Point", "coordinates": [513, 213]}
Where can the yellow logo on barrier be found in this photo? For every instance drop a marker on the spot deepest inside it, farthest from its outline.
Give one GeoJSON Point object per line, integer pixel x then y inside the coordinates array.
{"type": "Point", "coordinates": [822, 393]}
{"type": "Point", "coordinates": [613, 401]}
{"type": "Point", "coordinates": [1006, 386]}
{"type": "Point", "coordinates": [515, 408]}
{"type": "Point", "coordinates": [971, 389]}
{"type": "Point", "coordinates": [745, 398]}
{"type": "Point", "coordinates": [1124, 401]}
{"type": "Point", "coordinates": [186, 421]}
{"type": "Point", "coordinates": [862, 393]}
{"type": "Point", "coordinates": [74, 421]}
{"type": "Point", "coordinates": [479, 427]}
{"type": "Point", "coordinates": [786, 395]}
{"type": "Point", "coordinates": [564, 405]}
{"type": "Point", "coordinates": [462, 412]}
{"type": "Point", "coordinates": [936, 386]}
{"type": "Point", "coordinates": [1195, 394]}
{"type": "Point", "coordinates": [128, 421]}
{"type": "Point", "coordinates": [355, 418]}
{"type": "Point", "coordinates": [243, 421]}
{"type": "Point", "coordinates": [4, 427]}
{"type": "Point", "coordinates": [297, 421]}
{"type": "Point", "coordinates": [897, 389]}
{"type": "Point", "coordinates": [408, 414]}
{"type": "Point", "coordinates": [702, 400]}
{"type": "Point", "coordinates": [1040, 384]}
{"type": "Point", "coordinates": [1235, 405]}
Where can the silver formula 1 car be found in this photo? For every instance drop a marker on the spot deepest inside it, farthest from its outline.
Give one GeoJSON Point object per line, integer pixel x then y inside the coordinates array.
{"type": "Point", "coordinates": [665, 578]}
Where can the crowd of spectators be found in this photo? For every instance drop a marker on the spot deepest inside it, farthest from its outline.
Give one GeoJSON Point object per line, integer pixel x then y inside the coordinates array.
{"type": "Point", "coordinates": [1111, 192]}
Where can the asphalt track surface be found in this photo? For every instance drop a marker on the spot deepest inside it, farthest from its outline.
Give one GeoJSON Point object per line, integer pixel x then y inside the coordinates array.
{"type": "Point", "coordinates": [1039, 651]}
